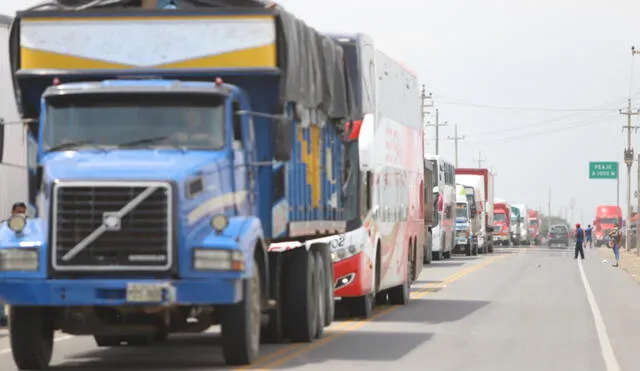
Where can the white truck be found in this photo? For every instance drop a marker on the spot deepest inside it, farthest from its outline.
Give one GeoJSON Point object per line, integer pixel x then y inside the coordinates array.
{"type": "Point", "coordinates": [481, 181]}
{"type": "Point", "coordinates": [523, 227]}
{"type": "Point", "coordinates": [466, 234]}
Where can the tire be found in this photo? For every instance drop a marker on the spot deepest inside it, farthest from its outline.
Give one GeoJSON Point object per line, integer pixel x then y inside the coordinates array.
{"type": "Point", "coordinates": [321, 281]}
{"type": "Point", "coordinates": [361, 306]}
{"type": "Point", "coordinates": [400, 295]}
{"type": "Point", "coordinates": [31, 332]}
{"type": "Point", "coordinates": [436, 255]}
{"type": "Point", "coordinates": [330, 309]}
{"type": "Point", "coordinates": [241, 323]}
{"type": "Point", "coordinates": [300, 296]}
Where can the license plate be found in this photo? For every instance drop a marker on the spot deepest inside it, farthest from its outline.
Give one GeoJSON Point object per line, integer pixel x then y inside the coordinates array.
{"type": "Point", "coordinates": [148, 292]}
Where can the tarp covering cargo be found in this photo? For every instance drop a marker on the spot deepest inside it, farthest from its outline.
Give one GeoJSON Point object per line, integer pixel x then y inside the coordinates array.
{"type": "Point", "coordinates": [312, 64]}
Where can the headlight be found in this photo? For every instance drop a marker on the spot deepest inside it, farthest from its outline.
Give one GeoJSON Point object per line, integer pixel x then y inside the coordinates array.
{"type": "Point", "coordinates": [17, 223]}
{"type": "Point", "coordinates": [219, 222]}
{"type": "Point", "coordinates": [344, 252]}
{"type": "Point", "coordinates": [19, 259]}
{"type": "Point", "coordinates": [218, 260]}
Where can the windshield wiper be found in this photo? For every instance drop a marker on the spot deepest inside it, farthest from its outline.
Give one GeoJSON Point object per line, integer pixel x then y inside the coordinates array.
{"type": "Point", "coordinates": [151, 140]}
{"type": "Point", "coordinates": [73, 144]}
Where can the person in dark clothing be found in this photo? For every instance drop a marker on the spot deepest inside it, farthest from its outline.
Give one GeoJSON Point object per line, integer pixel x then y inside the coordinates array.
{"type": "Point", "coordinates": [588, 234]}
{"type": "Point", "coordinates": [579, 242]}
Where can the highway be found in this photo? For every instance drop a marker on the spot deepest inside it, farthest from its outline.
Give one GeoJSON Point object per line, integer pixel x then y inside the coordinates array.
{"type": "Point", "coordinates": [528, 308]}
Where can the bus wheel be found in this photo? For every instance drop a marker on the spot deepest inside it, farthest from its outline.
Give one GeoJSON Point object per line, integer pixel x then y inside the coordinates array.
{"type": "Point", "coordinates": [361, 306]}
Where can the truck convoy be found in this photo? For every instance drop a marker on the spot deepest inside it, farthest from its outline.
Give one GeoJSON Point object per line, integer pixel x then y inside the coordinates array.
{"type": "Point", "coordinates": [534, 226]}
{"type": "Point", "coordinates": [482, 181]}
{"type": "Point", "coordinates": [180, 174]}
{"type": "Point", "coordinates": [606, 218]}
{"type": "Point", "coordinates": [381, 253]}
{"type": "Point", "coordinates": [502, 222]}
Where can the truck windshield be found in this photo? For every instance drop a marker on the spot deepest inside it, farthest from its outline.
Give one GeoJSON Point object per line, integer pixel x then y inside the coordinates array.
{"type": "Point", "coordinates": [514, 219]}
{"type": "Point", "coordinates": [499, 217]}
{"type": "Point", "coordinates": [461, 211]}
{"type": "Point", "coordinates": [608, 221]}
{"type": "Point", "coordinates": [533, 222]}
{"type": "Point", "coordinates": [135, 120]}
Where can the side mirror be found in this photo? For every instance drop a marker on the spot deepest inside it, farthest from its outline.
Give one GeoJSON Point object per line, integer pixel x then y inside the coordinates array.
{"type": "Point", "coordinates": [282, 138]}
{"type": "Point", "coordinates": [31, 211]}
{"type": "Point", "coordinates": [490, 228]}
{"type": "Point", "coordinates": [429, 229]}
{"type": "Point", "coordinates": [366, 141]}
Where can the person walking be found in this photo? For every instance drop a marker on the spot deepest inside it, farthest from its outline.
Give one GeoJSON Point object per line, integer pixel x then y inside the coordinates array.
{"type": "Point", "coordinates": [588, 232]}
{"type": "Point", "coordinates": [579, 242]}
{"type": "Point", "coordinates": [615, 237]}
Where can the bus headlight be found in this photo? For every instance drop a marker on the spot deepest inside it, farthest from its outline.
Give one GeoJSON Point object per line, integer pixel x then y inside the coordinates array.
{"type": "Point", "coordinates": [345, 252]}
{"type": "Point", "coordinates": [17, 223]}
{"type": "Point", "coordinates": [19, 259]}
{"type": "Point", "coordinates": [218, 260]}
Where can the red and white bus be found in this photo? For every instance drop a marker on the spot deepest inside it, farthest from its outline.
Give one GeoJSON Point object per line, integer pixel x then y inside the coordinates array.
{"type": "Point", "coordinates": [381, 253]}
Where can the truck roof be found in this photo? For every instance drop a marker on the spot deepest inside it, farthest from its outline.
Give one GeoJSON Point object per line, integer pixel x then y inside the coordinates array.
{"type": "Point", "coordinates": [309, 67]}
{"type": "Point", "coordinates": [137, 86]}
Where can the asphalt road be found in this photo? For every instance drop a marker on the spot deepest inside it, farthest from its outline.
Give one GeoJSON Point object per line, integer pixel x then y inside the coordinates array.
{"type": "Point", "coordinates": [517, 309]}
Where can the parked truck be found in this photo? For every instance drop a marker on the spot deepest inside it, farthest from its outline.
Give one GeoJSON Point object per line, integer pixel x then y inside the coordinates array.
{"type": "Point", "coordinates": [179, 175]}
{"type": "Point", "coordinates": [534, 226]}
{"type": "Point", "coordinates": [606, 218]}
{"type": "Point", "coordinates": [430, 210]}
{"type": "Point", "coordinates": [502, 222]}
{"type": "Point", "coordinates": [481, 179]}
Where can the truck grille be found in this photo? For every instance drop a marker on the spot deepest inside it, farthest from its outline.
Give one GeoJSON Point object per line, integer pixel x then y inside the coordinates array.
{"type": "Point", "coordinates": [111, 226]}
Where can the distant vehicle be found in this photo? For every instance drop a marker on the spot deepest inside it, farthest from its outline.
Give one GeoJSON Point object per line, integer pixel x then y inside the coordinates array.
{"type": "Point", "coordinates": [534, 226]}
{"type": "Point", "coordinates": [558, 235]}
{"type": "Point", "coordinates": [501, 222]}
{"type": "Point", "coordinates": [444, 193]}
{"type": "Point", "coordinates": [525, 237]}
{"type": "Point", "coordinates": [465, 212]}
{"type": "Point", "coordinates": [482, 180]}
{"type": "Point", "coordinates": [606, 218]}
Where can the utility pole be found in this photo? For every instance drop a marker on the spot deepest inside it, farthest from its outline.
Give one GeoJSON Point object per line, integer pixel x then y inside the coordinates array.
{"type": "Point", "coordinates": [455, 139]}
{"type": "Point", "coordinates": [480, 160]}
{"type": "Point", "coordinates": [423, 105]}
{"type": "Point", "coordinates": [437, 125]}
{"type": "Point", "coordinates": [629, 220]}
{"type": "Point", "coordinates": [628, 155]}
{"type": "Point", "coordinates": [572, 205]}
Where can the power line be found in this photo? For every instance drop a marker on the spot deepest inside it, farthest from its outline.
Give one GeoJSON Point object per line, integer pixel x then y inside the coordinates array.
{"type": "Point", "coordinates": [598, 120]}
{"type": "Point", "coordinates": [511, 108]}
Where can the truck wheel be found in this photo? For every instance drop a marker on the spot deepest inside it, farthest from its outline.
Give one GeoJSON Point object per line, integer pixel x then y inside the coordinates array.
{"type": "Point", "coordinates": [361, 306]}
{"type": "Point", "coordinates": [31, 332]}
{"type": "Point", "coordinates": [321, 281]}
{"type": "Point", "coordinates": [300, 296]}
{"type": "Point", "coordinates": [241, 323]}
{"type": "Point", "coordinates": [329, 311]}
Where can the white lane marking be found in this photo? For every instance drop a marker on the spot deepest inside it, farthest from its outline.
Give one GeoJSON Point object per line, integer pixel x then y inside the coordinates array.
{"type": "Point", "coordinates": [605, 344]}
{"type": "Point", "coordinates": [59, 338]}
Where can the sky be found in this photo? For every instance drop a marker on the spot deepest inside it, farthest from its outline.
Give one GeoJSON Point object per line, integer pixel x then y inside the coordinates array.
{"type": "Point", "coordinates": [535, 86]}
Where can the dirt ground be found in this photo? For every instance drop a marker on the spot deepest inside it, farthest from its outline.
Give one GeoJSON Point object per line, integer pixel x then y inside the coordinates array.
{"type": "Point", "coordinates": [629, 261]}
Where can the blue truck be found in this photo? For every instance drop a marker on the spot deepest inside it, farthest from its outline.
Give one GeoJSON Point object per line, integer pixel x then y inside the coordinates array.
{"type": "Point", "coordinates": [185, 171]}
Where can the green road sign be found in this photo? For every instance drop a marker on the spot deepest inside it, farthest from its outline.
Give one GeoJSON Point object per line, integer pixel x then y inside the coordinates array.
{"type": "Point", "coordinates": [603, 170]}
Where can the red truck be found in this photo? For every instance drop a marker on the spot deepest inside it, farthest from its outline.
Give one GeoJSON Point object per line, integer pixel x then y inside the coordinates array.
{"type": "Point", "coordinates": [606, 218]}
{"type": "Point", "coordinates": [501, 222]}
{"type": "Point", "coordinates": [534, 226]}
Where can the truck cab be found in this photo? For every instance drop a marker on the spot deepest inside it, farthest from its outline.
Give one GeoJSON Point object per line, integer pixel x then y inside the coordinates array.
{"type": "Point", "coordinates": [502, 222]}
{"type": "Point", "coordinates": [606, 218]}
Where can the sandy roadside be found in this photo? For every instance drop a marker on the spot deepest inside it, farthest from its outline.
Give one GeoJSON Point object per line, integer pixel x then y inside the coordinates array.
{"type": "Point", "coordinates": [629, 261]}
